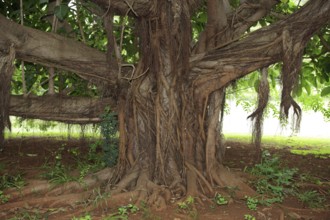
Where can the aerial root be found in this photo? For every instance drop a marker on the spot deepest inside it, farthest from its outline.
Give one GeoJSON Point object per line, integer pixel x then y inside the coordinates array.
{"type": "Point", "coordinates": [47, 202]}
{"type": "Point", "coordinates": [43, 186]}
{"type": "Point", "coordinates": [154, 195]}
{"type": "Point", "coordinates": [90, 181]}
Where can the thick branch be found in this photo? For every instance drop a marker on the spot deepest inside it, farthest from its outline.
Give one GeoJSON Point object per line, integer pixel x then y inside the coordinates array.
{"type": "Point", "coordinates": [213, 70]}
{"type": "Point", "coordinates": [78, 110]}
{"type": "Point", "coordinates": [53, 50]}
{"type": "Point", "coordinates": [137, 8]}
{"type": "Point", "coordinates": [121, 7]}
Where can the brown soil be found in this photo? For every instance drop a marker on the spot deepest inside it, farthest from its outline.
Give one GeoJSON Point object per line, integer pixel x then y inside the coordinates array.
{"type": "Point", "coordinates": [27, 155]}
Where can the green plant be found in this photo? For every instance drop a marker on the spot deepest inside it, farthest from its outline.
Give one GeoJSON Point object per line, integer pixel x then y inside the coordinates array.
{"type": "Point", "coordinates": [252, 203]}
{"type": "Point", "coordinates": [109, 129]}
{"type": "Point", "coordinates": [187, 204]}
{"type": "Point", "coordinates": [3, 198]}
{"type": "Point", "coordinates": [249, 217]}
{"type": "Point", "coordinates": [123, 212]}
{"type": "Point", "coordinates": [272, 178]}
{"type": "Point", "coordinates": [86, 217]}
{"type": "Point", "coordinates": [9, 181]}
{"type": "Point", "coordinates": [311, 198]}
{"type": "Point", "coordinates": [99, 196]}
{"type": "Point", "coordinates": [146, 213]}
{"type": "Point", "coordinates": [27, 216]}
{"type": "Point", "coordinates": [220, 200]}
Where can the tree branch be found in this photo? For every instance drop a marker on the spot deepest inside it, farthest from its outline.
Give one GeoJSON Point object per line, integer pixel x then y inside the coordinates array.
{"type": "Point", "coordinates": [213, 70]}
{"type": "Point", "coordinates": [52, 50]}
{"type": "Point", "coordinates": [79, 110]}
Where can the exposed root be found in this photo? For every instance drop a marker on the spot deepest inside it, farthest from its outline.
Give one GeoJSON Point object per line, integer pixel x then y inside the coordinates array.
{"type": "Point", "coordinates": [54, 201]}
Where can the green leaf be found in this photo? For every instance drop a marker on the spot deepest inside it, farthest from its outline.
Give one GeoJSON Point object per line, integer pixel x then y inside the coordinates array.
{"type": "Point", "coordinates": [325, 91]}
{"type": "Point", "coordinates": [61, 11]}
{"type": "Point", "coordinates": [256, 85]}
{"type": "Point", "coordinates": [307, 87]}
{"type": "Point", "coordinates": [43, 1]}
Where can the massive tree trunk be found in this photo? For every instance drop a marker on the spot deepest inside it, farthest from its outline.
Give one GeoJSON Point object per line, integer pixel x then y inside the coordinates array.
{"type": "Point", "coordinates": [169, 115]}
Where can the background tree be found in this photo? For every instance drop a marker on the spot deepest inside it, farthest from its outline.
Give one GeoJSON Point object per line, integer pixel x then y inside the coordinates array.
{"type": "Point", "coordinates": [164, 66]}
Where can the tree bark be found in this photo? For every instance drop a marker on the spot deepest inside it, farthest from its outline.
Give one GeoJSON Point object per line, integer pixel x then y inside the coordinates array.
{"type": "Point", "coordinates": [168, 118]}
{"type": "Point", "coordinates": [53, 50]}
{"type": "Point", "coordinates": [78, 110]}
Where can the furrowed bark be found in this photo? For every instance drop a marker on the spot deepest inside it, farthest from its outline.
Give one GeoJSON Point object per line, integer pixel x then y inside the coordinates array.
{"type": "Point", "coordinates": [78, 110]}
{"type": "Point", "coordinates": [53, 50]}
{"type": "Point", "coordinates": [212, 70]}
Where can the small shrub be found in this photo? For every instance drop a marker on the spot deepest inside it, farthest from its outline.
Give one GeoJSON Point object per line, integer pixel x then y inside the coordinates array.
{"type": "Point", "coordinates": [249, 217]}
{"type": "Point", "coordinates": [3, 198]}
{"type": "Point", "coordinates": [220, 200]}
{"type": "Point", "coordinates": [312, 199]}
{"type": "Point", "coordinates": [252, 203]}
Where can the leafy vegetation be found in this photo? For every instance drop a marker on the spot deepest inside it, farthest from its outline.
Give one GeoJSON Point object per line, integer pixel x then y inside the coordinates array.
{"type": "Point", "coordinates": [275, 182]}
{"type": "Point", "coordinates": [311, 199]}
{"type": "Point", "coordinates": [220, 200]}
{"type": "Point", "coordinates": [59, 173]}
{"type": "Point", "coordinates": [11, 181]}
{"type": "Point", "coordinates": [298, 145]}
{"type": "Point", "coordinates": [273, 179]}
{"type": "Point", "coordinates": [109, 130]}
{"type": "Point", "coordinates": [249, 217]}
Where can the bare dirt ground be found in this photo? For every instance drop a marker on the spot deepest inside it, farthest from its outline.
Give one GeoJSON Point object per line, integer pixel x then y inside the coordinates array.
{"type": "Point", "coordinates": [26, 156]}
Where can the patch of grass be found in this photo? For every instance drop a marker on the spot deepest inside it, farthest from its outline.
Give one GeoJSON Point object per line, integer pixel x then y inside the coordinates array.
{"type": "Point", "coordinates": [25, 215]}
{"type": "Point", "coordinates": [123, 212]}
{"type": "Point", "coordinates": [298, 145]}
{"type": "Point", "coordinates": [86, 217]}
{"type": "Point", "coordinates": [188, 207]}
{"type": "Point", "coordinates": [146, 213]}
{"type": "Point", "coordinates": [3, 198]}
{"type": "Point", "coordinates": [11, 181]}
{"type": "Point", "coordinates": [311, 198]}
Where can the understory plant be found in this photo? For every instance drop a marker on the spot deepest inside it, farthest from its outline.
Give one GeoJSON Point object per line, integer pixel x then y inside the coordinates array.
{"type": "Point", "coordinates": [273, 182]}
{"type": "Point", "coordinates": [109, 130]}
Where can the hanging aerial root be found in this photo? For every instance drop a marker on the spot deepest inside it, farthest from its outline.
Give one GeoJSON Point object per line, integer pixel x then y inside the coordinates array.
{"type": "Point", "coordinates": [6, 72]}
{"type": "Point", "coordinates": [257, 115]}
{"type": "Point", "coordinates": [292, 59]}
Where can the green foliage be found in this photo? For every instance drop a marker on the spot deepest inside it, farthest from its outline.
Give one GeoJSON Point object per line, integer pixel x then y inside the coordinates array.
{"type": "Point", "coordinates": [58, 173]}
{"type": "Point", "coordinates": [86, 217]}
{"type": "Point", "coordinates": [252, 203]}
{"type": "Point", "coordinates": [11, 181]}
{"type": "Point", "coordinates": [273, 179]}
{"type": "Point", "coordinates": [3, 198]}
{"type": "Point", "coordinates": [311, 198]}
{"type": "Point", "coordinates": [187, 204]}
{"type": "Point", "coordinates": [61, 11]}
{"type": "Point", "coordinates": [25, 215]}
{"type": "Point", "coordinates": [109, 129]}
{"type": "Point", "coordinates": [249, 217]}
{"type": "Point", "coordinates": [123, 212]}
{"type": "Point", "coordinates": [220, 200]}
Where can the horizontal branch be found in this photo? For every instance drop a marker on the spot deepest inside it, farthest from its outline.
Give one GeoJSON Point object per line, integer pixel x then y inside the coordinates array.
{"type": "Point", "coordinates": [53, 50]}
{"type": "Point", "coordinates": [121, 7]}
{"type": "Point", "coordinates": [215, 69]}
{"type": "Point", "coordinates": [78, 110]}
{"type": "Point", "coordinates": [137, 8]}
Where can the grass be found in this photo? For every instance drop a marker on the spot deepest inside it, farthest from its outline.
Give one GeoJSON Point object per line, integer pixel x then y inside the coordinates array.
{"type": "Point", "coordinates": [297, 145]}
